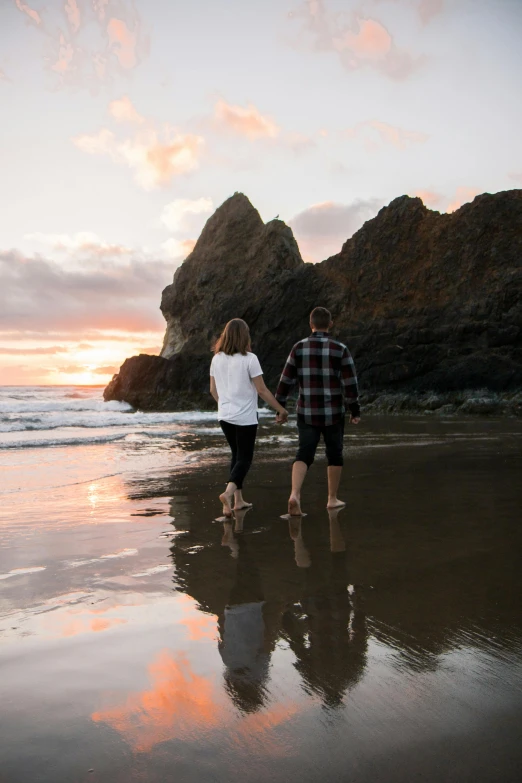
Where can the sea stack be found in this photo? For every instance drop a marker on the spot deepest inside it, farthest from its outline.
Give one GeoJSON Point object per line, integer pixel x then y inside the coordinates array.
{"type": "Point", "coordinates": [426, 302]}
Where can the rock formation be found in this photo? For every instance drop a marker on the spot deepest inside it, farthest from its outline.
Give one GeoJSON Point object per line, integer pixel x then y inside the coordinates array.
{"type": "Point", "coordinates": [426, 302]}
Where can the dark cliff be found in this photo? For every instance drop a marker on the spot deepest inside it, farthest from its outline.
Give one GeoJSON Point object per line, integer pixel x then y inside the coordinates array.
{"type": "Point", "coordinates": [425, 301]}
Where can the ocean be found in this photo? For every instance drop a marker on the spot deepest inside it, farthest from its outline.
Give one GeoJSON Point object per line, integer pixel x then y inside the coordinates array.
{"type": "Point", "coordinates": [42, 416]}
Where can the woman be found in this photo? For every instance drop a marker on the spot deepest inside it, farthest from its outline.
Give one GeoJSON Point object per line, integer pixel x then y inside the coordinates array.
{"type": "Point", "coordinates": [236, 380]}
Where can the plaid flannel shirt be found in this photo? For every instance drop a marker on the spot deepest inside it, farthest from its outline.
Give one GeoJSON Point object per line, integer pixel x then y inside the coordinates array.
{"type": "Point", "coordinates": [325, 371]}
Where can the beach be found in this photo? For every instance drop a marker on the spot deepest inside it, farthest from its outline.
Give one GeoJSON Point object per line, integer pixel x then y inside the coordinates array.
{"type": "Point", "coordinates": [142, 640]}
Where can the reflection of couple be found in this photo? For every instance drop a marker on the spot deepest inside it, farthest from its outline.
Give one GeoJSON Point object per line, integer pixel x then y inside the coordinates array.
{"type": "Point", "coordinates": [325, 373]}
{"type": "Point", "coordinates": [323, 628]}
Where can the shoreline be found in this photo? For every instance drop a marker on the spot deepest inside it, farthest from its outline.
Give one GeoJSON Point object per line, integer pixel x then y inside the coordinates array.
{"type": "Point", "coordinates": [469, 402]}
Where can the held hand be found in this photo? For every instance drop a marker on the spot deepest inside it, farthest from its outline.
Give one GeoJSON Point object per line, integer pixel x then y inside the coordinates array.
{"type": "Point", "coordinates": [354, 420]}
{"type": "Point", "coordinates": [282, 417]}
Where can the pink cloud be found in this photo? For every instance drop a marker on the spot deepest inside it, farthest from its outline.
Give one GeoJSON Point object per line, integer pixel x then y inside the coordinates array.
{"type": "Point", "coordinates": [429, 8]}
{"type": "Point", "coordinates": [123, 43]}
{"type": "Point", "coordinates": [178, 249]}
{"type": "Point", "coordinates": [516, 177]}
{"type": "Point", "coordinates": [155, 158]}
{"type": "Point", "coordinates": [247, 121]}
{"type": "Point", "coordinates": [89, 48]}
{"type": "Point", "coordinates": [426, 9]}
{"type": "Point", "coordinates": [123, 110]}
{"type": "Point", "coordinates": [157, 163]}
{"type": "Point", "coordinates": [51, 351]}
{"type": "Point", "coordinates": [462, 196]}
{"type": "Point", "coordinates": [101, 143]}
{"type": "Point", "coordinates": [84, 243]}
{"type": "Point", "coordinates": [363, 42]}
{"type": "Point", "coordinates": [30, 12]}
{"type": "Point", "coordinates": [372, 41]}
{"type": "Point", "coordinates": [65, 56]}
{"type": "Point", "coordinates": [429, 197]}
{"type": "Point", "coordinates": [400, 138]}
{"type": "Point", "coordinates": [73, 14]}
{"type": "Point", "coordinates": [99, 8]}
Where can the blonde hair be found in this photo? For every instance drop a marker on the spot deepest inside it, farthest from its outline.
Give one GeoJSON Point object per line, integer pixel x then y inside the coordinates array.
{"type": "Point", "coordinates": [235, 338]}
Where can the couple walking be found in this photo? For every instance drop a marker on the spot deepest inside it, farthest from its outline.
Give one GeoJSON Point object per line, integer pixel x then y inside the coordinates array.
{"type": "Point", "coordinates": [325, 373]}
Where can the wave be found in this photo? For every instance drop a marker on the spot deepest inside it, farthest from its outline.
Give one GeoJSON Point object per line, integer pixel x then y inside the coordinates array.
{"type": "Point", "coordinates": [73, 440]}
{"type": "Point", "coordinates": [58, 420]}
{"type": "Point", "coordinates": [11, 406]}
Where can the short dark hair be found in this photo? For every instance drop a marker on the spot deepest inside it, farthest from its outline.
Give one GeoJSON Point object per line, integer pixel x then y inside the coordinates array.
{"type": "Point", "coordinates": [321, 318]}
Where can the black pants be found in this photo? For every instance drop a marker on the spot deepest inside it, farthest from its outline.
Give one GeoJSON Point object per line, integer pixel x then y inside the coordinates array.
{"type": "Point", "coordinates": [309, 437]}
{"type": "Point", "coordinates": [242, 440]}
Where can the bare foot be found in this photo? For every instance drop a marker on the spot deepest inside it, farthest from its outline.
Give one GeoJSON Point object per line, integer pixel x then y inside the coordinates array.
{"type": "Point", "coordinates": [226, 499]}
{"type": "Point", "coordinates": [242, 505]}
{"type": "Point", "coordinates": [335, 503]}
{"type": "Point", "coordinates": [294, 507]}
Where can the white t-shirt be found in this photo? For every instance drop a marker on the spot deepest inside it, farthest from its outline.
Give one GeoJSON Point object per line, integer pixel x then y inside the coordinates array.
{"type": "Point", "coordinates": [236, 391]}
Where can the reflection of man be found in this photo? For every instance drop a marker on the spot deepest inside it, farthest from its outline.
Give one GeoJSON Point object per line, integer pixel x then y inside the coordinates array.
{"type": "Point", "coordinates": [326, 631]}
{"type": "Point", "coordinates": [245, 644]}
{"type": "Point", "coordinates": [327, 382]}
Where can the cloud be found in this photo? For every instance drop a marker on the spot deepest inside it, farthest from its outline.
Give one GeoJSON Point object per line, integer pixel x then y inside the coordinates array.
{"type": "Point", "coordinates": [73, 14]}
{"type": "Point", "coordinates": [373, 131]}
{"type": "Point", "coordinates": [361, 43]}
{"type": "Point", "coordinates": [428, 9]}
{"type": "Point", "coordinates": [123, 110]}
{"type": "Point", "coordinates": [155, 158]}
{"type": "Point", "coordinates": [322, 229]}
{"type": "Point", "coordinates": [51, 351]}
{"type": "Point", "coordinates": [429, 197]}
{"type": "Point", "coordinates": [242, 121]}
{"type": "Point", "coordinates": [107, 370]}
{"type": "Point", "coordinates": [371, 41]}
{"type": "Point", "coordinates": [178, 249]}
{"type": "Point", "coordinates": [99, 8]}
{"type": "Point", "coordinates": [30, 12]}
{"type": "Point", "coordinates": [176, 216]}
{"type": "Point", "coordinates": [85, 48]}
{"type": "Point", "coordinates": [65, 56]}
{"type": "Point", "coordinates": [40, 295]}
{"type": "Point", "coordinates": [179, 704]}
{"type": "Point", "coordinates": [516, 177]}
{"type": "Point", "coordinates": [462, 196]}
{"type": "Point", "coordinates": [123, 43]}
{"type": "Point", "coordinates": [84, 243]}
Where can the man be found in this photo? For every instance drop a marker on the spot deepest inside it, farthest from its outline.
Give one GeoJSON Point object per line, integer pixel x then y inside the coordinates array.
{"type": "Point", "coordinates": [327, 381]}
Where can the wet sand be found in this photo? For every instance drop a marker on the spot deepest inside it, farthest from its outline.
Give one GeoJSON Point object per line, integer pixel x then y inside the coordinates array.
{"type": "Point", "coordinates": [143, 641]}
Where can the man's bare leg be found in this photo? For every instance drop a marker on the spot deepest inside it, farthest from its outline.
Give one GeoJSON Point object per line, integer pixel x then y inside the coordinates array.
{"type": "Point", "coordinates": [226, 498]}
{"type": "Point", "coordinates": [299, 471]}
{"type": "Point", "coordinates": [239, 501]}
{"type": "Point", "coordinates": [334, 477]}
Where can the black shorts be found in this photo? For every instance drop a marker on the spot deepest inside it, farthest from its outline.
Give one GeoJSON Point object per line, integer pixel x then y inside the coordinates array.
{"type": "Point", "coordinates": [309, 437]}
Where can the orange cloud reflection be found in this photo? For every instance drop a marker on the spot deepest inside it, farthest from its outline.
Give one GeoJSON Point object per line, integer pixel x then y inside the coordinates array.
{"type": "Point", "coordinates": [179, 703]}
{"type": "Point", "coordinates": [200, 626]}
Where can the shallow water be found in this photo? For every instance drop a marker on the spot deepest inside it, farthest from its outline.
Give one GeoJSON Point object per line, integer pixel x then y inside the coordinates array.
{"type": "Point", "coordinates": [143, 641]}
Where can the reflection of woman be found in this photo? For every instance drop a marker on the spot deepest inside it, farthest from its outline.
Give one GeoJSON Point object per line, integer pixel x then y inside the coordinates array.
{"type": "Point", "coordinates": [236, 380]}
{"type": "Point", "coordinates": [243, 630]}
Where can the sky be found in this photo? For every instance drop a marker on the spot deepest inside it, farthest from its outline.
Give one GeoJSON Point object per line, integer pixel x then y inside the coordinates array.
{"type": "Point", "coordinates": [126, 123]}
